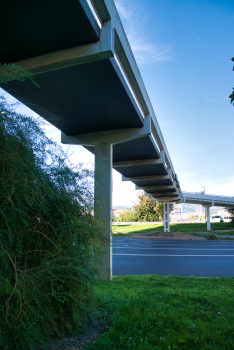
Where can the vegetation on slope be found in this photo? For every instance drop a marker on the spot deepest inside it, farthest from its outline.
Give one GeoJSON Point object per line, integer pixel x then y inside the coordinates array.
{"type": "Point", "coordinates": [49, 242]}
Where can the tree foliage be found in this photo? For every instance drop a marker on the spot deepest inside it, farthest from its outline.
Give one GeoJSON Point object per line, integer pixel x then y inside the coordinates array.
{"type": "Point", "coordinates": [232, 94]}
{"type": "Point", "coordinates": [50, 244]}
{"type": "Point", "coordinates": [147, 209]}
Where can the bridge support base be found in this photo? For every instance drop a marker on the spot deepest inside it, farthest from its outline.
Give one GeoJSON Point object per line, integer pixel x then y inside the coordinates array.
{"type": "Point", "coordinates": [166, 217]}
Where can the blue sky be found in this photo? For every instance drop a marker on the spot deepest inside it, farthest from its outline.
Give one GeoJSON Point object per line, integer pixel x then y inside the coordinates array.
{"type": "Point", "coordinates": [183, 49]}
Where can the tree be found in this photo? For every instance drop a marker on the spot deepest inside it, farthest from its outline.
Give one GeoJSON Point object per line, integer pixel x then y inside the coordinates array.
{"type": "Point", "coordinates": [147, 209]}
{"type": "Point", "coordinates": [232, 94]}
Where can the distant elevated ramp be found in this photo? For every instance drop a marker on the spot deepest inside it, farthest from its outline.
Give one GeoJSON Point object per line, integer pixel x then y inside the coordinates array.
{"type": "Point", "coordinates": [207, 199]}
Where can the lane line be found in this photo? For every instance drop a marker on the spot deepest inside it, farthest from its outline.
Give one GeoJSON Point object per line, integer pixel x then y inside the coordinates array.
{"type": "Point", "coordinates": [173, 245]}
{"type": "Point", "coordinates": [171, 255]}
{"type": "Point", "coordinates": [170, 248]}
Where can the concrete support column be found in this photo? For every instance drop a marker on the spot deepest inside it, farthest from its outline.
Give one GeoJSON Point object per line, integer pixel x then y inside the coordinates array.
{"type": "Point", "coordinates": [208, 216]}
{"type": "Point", "coordinates": [103, 202]}
{"type": "Point", "coordinates": [166, 217]}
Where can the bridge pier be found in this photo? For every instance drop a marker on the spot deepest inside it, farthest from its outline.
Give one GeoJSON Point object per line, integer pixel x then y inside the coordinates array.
{"type": "Point", "coordinates": [103, 203]}
{"type": "Point", "coordinates": [166, 217]}
{"type": "Point", "coordinates": [208, 216]}
{"type": "Point", "coordinates": [103, 142]}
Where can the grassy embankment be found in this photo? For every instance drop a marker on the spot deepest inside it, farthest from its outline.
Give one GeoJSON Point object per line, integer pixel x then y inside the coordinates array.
{"type": "Point", "coordinates": [166, 313]}
{"type": "Point", "coordinates": [191, 228]}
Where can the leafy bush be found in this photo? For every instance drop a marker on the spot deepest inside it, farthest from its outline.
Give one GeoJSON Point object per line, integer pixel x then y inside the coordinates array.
{"type": "Point", "coordinates": [127, 216]}
{"type": "Point", "coordinates": [50, 244]}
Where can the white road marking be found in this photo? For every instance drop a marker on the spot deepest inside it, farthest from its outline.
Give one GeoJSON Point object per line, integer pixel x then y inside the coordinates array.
{"type": "Point", "coordinates": [173, 245]}
{"type": "Point", "coordinates": [171, 248]}
{"type": "Point", "coordinates": [172, 255]}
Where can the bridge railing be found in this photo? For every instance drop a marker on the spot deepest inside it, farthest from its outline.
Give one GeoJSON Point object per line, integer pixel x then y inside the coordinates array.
{"type": "Point", "coordinates": [207, 194]}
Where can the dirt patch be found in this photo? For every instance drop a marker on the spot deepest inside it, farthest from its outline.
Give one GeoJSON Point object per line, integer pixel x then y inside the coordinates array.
{"type": "Point", "coordinates": [87, 335]}
{"type": "Point", "coordinates": [169, 235]}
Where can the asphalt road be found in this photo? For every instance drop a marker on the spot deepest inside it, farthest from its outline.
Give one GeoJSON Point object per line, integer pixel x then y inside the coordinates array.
{"type": "Point", "coordinates": [182, 258]}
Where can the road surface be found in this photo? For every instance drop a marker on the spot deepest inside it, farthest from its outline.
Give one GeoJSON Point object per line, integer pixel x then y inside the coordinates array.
{"type": "Point", "coordinates": [182, 258]}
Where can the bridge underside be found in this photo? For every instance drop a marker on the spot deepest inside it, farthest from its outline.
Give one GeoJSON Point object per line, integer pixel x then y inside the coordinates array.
{"type": "Point", "coordinates": [90, 89]}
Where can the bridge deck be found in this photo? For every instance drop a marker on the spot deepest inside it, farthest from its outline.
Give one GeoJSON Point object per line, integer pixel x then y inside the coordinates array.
{"type": "Point", "coordinates": [89, 80]}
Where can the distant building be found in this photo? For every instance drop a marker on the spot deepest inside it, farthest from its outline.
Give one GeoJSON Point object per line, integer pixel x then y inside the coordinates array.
{"type": "Point", "coordinates": [117, 212]}
{"type": "Point", "coordinates": [176, 210]}
{"type": "Point", "coordinates": [200, 209]}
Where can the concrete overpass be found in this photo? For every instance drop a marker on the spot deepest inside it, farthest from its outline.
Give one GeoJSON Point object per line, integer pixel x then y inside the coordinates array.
{"type": "Point", "coordinates": [90, 89]}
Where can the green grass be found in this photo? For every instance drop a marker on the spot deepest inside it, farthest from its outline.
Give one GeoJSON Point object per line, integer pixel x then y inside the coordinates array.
{"type": "Point", "coordinates": [184, 228]}
{"type": "Point", "coordinates": [166, 313]}
{"type": "Point", "coordinates": [135, 228]}
{"type": "Point", "coordinates": [230, 233]}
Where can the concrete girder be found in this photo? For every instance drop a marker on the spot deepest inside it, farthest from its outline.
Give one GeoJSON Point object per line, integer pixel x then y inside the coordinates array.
{"type": "Point", "coordinates": [70, 57]}
{"type": "Point", "coordinates": [141, 167]}
{"type": "Point", "coordinates": [138, 162]}
{"type": "Point", "coordinates": [167, 199]}
{"type": "Point", "coordinates": [111, 136]}
{"type": "Point", "coordinates": [163, 194]}
{"type": "Point", "coordinates": [150, 188]}
{"type": "Point", "coordinates": [146, 178]}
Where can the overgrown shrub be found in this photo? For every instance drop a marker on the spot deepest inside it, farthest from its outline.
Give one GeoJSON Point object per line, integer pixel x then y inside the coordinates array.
{"type": "Point", "coordinates": [50, 244]}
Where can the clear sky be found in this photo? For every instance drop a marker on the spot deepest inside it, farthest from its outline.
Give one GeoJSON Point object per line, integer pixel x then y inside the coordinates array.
{"type": "Point", "coordinates": [183, 49]}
